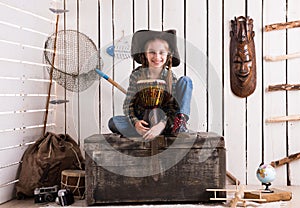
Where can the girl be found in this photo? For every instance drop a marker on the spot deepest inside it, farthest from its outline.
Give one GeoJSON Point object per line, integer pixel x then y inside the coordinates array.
{"type": "Point", "coordinates": [157, 52]}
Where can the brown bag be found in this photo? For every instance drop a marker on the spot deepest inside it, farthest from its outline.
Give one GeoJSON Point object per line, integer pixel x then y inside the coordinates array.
{"type": "Point", "coordinates": [44, 161]}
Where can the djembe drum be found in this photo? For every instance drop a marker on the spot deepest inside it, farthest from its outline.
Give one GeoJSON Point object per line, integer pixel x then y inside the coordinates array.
{"type": "Point", "coordinates": [74, 180]}
{"type": "Point", "coordinates": [151, 95]}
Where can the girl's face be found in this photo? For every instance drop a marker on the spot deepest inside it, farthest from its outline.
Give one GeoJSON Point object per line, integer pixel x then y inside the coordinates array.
{"type": "Point", "coordinates": [156, 53]}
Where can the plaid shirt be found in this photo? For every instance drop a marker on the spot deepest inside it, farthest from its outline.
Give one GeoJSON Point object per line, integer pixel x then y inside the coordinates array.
{"type": "Point", "coordinates": [136, 112]}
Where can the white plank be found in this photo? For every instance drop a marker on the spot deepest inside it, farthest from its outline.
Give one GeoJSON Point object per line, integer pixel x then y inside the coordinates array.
{"type": "Point", "coordinates": [27, 16]}
{"type": "Point", "coordinates": [234, 107]}
{"type": "Point", "coordinates": [35, 72]}
{"type": "Point", "coordinates": [293, 97]}
{"type": "Point", "coordinates": [32, 134]}
{"type": "Point", "coordinates": [7, 193]}
{"type": "Point", "coordinates": [37, 118]}
{"type": "Point", "coordinates": [155, 15]}
{"type": "Point", "coordinates": [66, 115]}
{"type": "Point", "coordinates": [23, 86]}
{"type": "Point", "coordinates": [18, 122]}
{"type": "Point", "coordinates": [88, 12]}
{"type": "Point", "coordinates": [19, 138]}
{"type": "Point", "coordinates": [11, 121]}
{"type": "Point", "coordinates": [173, 8]}
{"type": "Point", "coordinates": [8, 174]}
{"type": "Point", "coordinates": [19, 33]}
{"type": "Point", "coordinates": [71, 15]}
{"type": "Point", "coordinates": [24, 37]}
{"type": "Point", "coordinates": [274, 102]}
{"type": "Point", "coordinates": [141, 19]}
{"type": "Point", "coordinates": [23, 70]}
{"type": "Point", "coordinates": [123, 23]}
{"type": "Point", "coordinates": [106, 40]}
{"type": "Point", "coordinates": [10, 156]}
{"type": "Point", "coordinates": [35, 87]}
{"type": "Point", "coordinates": [67, 119]}
{"type": "Point", "coordinates": [16, 86]}
{"type": "Point", "coordinates": [140, 14]}
{"type": "Point", "coordinates": [254, 101]}
{"type": "Point", "coordinates": [60, 114]}
{"type": "Point", "coordinates": [196, 61]}
{"type": "Point", "coordinates": [40, 8]}
{"type": "Point", "coordinates": [22, 53]}
{"type": "Point", "coordinates": [37, 102]}
{"type": "Point", "coordinates": [9, 139]}
{"type": "Point", "coordinates": [215, 88]}
{"type": "Point", "coordinates": [14, 155]}
{"type": "Point", "coordinates": [20, 103]}
{"type": "Point", "coordinates": [89, 111]}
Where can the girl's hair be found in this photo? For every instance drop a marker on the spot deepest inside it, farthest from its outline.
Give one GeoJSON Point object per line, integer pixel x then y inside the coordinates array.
{"type": "Point", "coordinates": [144, 60]}
{"type": "Point", "coordinates": [167, 65]}
{"type": "Point", "coordinates": [169, 75]}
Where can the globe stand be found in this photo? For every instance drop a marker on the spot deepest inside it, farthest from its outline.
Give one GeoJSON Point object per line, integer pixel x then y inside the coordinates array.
{"type": "Point", "coordinates": [267, 190]}
{"type": "Point", "coordinates": [274, 195]}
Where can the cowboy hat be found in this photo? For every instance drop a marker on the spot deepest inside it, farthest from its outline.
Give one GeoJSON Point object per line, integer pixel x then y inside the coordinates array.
{"type": "Point", "coordinates": [141, 37]}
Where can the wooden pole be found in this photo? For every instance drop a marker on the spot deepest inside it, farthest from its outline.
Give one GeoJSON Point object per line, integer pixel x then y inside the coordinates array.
{"type": "Point", "coordinates": [51, 75]}
{"type": "Point", "coordinates": [282, 57]}
{"type": "Point", "coordinates": [233, 179]}
{"type": "Point", "coordinates": [284, 87]}
{"type": "Point", "coordinates": [114, 83]}
{"type": "Point", "coordinates": [282, 26]}
{"type": "Point", "coordinates": [286, 160]}
{"type": "Point", "coordinates": [283, 119]}
{"type": "Point", "coordinates": [57, 12]}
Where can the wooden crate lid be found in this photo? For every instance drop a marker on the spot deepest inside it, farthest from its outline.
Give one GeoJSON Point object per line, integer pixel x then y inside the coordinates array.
{"type": "Point", "coordinates": [199, 140]}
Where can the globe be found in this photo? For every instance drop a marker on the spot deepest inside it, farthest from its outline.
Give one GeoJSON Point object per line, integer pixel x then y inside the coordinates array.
{"type": "Point", "coordinates": [266, 173]}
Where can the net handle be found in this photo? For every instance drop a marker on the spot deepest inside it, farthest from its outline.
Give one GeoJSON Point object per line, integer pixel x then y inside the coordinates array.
{"type": "Point", "coordinates": [51, 75]}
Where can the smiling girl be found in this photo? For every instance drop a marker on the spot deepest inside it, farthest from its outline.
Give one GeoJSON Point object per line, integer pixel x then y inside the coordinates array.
{"type": "Point", "coordinates": [157, 53]}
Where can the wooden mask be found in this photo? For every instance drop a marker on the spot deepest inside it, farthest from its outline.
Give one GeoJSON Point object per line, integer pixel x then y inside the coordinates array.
{"type": "Point", "coordinates": [242, 57]}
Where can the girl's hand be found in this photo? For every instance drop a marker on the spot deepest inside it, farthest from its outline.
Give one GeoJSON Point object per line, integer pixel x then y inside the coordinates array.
{"type": "Point", "coordinates": [154, 131]}
{"type": "Point", "coordinates": [141, 127]}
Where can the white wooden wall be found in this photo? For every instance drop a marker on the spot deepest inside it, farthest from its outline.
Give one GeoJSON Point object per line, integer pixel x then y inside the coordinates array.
{"type": "Point", "coordinates": [23, 83]}
{"type": "Point", "coordinates": [203, 32]}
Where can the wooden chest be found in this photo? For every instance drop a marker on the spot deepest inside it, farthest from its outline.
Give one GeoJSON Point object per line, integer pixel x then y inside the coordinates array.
{"type": "Point", "coordinates": [172, 170]}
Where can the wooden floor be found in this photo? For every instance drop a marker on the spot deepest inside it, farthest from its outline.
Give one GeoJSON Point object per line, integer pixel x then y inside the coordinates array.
{"type": "Point", "coordinates": [294, 203]}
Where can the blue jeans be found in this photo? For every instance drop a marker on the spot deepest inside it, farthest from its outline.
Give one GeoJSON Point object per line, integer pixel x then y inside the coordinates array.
{"type": "Point", "coordinates": [184, 87]}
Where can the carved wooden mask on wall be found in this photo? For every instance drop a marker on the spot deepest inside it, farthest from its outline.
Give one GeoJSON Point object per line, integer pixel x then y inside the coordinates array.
{"type": "Point", "coordinates": [242, 57]}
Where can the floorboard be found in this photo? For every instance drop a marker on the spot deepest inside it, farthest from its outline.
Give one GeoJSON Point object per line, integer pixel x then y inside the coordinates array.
{"type": "Point", "coordinates": [294, 203]}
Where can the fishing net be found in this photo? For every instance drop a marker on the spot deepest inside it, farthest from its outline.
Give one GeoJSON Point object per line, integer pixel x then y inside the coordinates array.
{"type": "Point", "coordinates": [70, 57]}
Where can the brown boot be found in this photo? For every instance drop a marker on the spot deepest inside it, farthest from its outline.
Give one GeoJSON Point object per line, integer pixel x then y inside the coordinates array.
{"type": "Point", "coordinates": [179, 124]}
